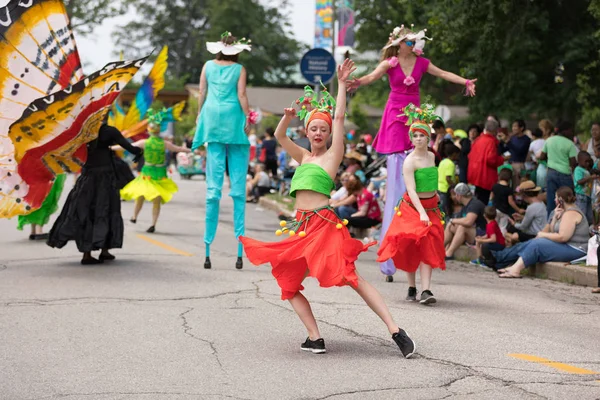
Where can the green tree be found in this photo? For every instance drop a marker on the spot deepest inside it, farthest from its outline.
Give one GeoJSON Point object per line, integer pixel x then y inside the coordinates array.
{"type": "Point", "coordinates": [87, 14]}
{"type": "Point", "coordinates": [186, 27]}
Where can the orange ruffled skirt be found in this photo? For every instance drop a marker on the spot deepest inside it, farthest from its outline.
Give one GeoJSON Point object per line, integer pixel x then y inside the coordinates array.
{"type": "Point", "coordinates": [328, 253]}
{"type": "Point", "coordinates": [408, 242]}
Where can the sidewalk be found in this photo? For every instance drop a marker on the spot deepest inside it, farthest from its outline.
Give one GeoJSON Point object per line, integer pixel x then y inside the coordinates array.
{"type": "Point", "coordinates": [555, 271]}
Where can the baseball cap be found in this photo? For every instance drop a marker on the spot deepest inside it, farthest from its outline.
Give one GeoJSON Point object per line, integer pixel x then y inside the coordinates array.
{"type": "Point", "coordinates": [462, 189]}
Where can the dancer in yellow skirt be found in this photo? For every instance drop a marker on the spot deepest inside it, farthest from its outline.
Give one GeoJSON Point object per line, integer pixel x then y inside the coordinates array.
{"type": "Point", "coordinates": [152, 184]}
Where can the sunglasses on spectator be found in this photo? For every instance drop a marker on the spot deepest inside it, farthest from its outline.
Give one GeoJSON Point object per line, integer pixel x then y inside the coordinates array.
{"type": "Point", "coordinates": [409, 43]}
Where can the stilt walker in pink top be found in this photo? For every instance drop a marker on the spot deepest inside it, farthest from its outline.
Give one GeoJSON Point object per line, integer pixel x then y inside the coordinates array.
{"type": "Point", "coordinates": [402, 60]}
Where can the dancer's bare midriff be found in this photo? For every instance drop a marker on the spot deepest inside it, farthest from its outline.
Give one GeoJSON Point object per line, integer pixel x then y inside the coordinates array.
{"type": "Point", "coordinates": [309, 200]}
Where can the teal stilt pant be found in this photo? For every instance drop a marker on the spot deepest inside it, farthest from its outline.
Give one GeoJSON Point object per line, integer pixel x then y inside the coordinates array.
{"type": "Point", "coordinates": [237, 156]}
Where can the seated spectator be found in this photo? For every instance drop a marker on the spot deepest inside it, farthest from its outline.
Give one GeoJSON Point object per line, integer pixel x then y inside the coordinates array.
{"type": "Point", "coordinates": [522, 228]}
{"type": "Point", "coordinates": [493, 240]}
{"type": "Point", "coordinates": [259, 185]}
{"type": "Point", "coordinates": [503, 199]}
{"type": "Point", "coordinates": [564, 238]}
{"type": "Point", "coordinates": [465, 229]}
{"type": "Point", "coordinates": [345, 206]}
{"type": "Point", "coordinates": [368, 213]}
{"type": "Point", "coordinates": [446, 176]}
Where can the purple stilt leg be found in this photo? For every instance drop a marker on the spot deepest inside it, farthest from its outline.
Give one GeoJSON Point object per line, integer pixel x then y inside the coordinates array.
{"type": "Point", "coordinates": [394, 190]}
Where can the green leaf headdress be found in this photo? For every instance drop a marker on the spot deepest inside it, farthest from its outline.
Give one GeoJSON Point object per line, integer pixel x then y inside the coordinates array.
{"type": "Point", "coordinates": [419, 118]}
{"type": "Point", "coordinates": [156, 117]}
{"type": "Point", "coordinates": [310, 105]}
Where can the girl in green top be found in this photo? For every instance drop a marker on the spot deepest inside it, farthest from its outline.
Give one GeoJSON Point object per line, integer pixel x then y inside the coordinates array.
{"type": "Point", "coordinates": [415, 238]}
{"type": "Point", "coordinates": [152, 184]}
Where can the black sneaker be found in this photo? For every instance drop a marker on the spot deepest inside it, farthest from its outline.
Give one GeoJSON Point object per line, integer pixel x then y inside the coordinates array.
{"type": "Point", "coordinates": [316, 346]}
{"type": "Point", "coordinates": [406, 344]}
{"type": "Point", "coordinates": [412, 294]}
{"type": "Point", "coordinates": [427, 297]}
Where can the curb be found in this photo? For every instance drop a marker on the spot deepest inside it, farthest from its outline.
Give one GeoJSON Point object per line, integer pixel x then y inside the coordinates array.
{"type": "Point", "coordinates": [555, 271]}
{"type": "Point", "coordinates": [274, 206]}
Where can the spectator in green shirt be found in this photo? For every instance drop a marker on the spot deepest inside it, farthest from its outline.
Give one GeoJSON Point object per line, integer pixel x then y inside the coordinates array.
{"type": "Point", "coordinates": [583, 179]}
{"type": "Point", "coordinates": [446, 175]}
{"type": "Point", "coordinates": [560, 151]}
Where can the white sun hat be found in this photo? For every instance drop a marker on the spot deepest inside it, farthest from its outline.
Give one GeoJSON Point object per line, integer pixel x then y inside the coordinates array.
{"type": "Point", "coordinates": [228, 49]}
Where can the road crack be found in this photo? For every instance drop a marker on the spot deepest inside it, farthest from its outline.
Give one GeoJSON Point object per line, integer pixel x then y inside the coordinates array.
{"type": "Point", "coordinates": [187, 330]}
{"type": "Point", "coordinates": [103, 300]}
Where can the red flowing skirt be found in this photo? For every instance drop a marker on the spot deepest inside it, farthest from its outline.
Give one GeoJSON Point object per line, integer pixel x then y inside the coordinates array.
{"type": "Point", "coordinates": [408, 242]}
{"type": "Point", "coordinates": [326, 252]}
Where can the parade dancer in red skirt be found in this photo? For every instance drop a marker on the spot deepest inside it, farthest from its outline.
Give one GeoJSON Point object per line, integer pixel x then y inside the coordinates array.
{"type": "Point", "coordinates": [415, 239]}
{"type": "Point", "coordinates": [319, 244]}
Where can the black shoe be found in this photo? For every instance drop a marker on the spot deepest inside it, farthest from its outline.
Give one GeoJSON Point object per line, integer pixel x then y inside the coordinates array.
{"type": "Point", "coordinates": [31, 237]}
{"type": "Point", "coordinates": [316, 346]}
{"type": "Point", "coordinates": [41, 236]}
{"type": "Point", "coordinates": [412, 294]}
{"type": "Point", "coordinates": [133, 220]}
{"type": "Point", "coordinates": [207, 263]}
{"type": "Point", "coordinates": [91, 261]}
{"type": "Point", "coordinates": [406, 344]}
{"type": "Point", "coordinates": [239, 264]}
{"type": "Point", "coordinates": [389, 278]}
{"type": "Point", "coordinates": [152, 229]}
{"type": "Point", "coordinates": [427, 297]}
{"type": "Point", "coordinates": [106, 257]}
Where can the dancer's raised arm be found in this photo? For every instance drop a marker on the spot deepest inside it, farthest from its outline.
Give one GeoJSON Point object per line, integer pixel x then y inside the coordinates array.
{"type": "Point", "coordinates": [343, 71]}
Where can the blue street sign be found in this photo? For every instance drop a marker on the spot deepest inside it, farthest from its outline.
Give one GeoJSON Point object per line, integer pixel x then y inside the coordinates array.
{"type": "Point", "coordinates": [317, 65]}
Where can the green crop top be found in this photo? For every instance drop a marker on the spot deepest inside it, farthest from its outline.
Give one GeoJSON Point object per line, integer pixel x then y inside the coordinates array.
{"type": "Point", "coordinates": [426, 179]}
{"type": "Point", "coordinates": [312, 177]}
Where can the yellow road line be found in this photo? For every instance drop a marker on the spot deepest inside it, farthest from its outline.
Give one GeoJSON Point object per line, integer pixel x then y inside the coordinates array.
{"type": "Point", "coordinates": [164, 246]}
{"type": "Point", "coordinates": [560, 366]}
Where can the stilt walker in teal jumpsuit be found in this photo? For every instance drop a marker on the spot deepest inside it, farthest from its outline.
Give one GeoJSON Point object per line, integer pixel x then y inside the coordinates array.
{"type": "Point", "coordinates": [222, 125]}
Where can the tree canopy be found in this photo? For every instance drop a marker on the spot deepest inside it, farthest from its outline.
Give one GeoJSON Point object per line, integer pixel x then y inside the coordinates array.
{"type": "Point", "coordinates": [186, 27]}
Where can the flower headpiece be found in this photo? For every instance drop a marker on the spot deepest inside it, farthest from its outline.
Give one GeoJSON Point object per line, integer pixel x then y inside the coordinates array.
{"type": "Point", "coordinates": [419, 118]}
{"type": "Point", "coordinates": [156, 117]}
{"type": "Point", "coordinates": [228, 49]}
{"type": "Point", "coordinates": [309, 100]}
{"type": "Point", "coordinates": [401, 33]}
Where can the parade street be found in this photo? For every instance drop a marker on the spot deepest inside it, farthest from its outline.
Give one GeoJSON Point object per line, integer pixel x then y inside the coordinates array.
{"type": "Point", "coordinates": [154, 324]}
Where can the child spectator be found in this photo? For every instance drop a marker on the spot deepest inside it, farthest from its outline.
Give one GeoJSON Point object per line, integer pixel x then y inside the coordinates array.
{"type": "Point", "coordinates": [583, 184]}
{"type": "Point", "coordinates": [493, 239]}
{"type": "Point", "coordinates": [446, 176]}
{"type": "Point", "coordinates": [369, 213]}
{"type": "Point", "coordinates": [503, 199]}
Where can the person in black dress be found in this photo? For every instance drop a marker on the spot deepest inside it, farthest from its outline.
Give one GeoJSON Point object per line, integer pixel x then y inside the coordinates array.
{"type": "Point", "coordinates": [92, 213]}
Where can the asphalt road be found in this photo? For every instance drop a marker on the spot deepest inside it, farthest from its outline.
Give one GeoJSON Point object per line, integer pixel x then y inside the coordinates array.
{"type": "Point", "coordinates": [155, 325]}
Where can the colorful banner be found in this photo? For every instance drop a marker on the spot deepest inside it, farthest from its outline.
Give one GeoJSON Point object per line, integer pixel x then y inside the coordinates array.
{"type": "Point", "coordinates": [324, 25]}
{"type": "Point", "coordinates": [345, 20]}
